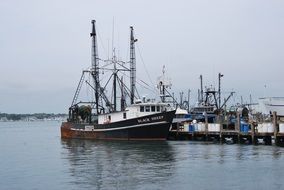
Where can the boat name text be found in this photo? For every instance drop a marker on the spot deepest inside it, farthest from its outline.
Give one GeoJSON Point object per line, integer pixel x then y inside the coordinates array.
{"type": "Point", "coordinates": [145, 120]}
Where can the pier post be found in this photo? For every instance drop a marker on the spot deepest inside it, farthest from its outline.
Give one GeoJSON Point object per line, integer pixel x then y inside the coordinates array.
{"type": "Point", "coordinates": [252, 133]}
{"type": "Point", "coordinates": [275, 126]}
{"type": "Point", "coordinates": [206, 126]}
{"type": "Point", "coordinates": [221, 128]}
{"type": "Point", "coordinates": [177, 132]}
{"type": "Point", "coordinates": [237, 126]}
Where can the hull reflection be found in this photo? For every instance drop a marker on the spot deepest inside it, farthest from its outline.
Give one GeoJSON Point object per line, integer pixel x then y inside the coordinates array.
{"type": "Point", "coordinates": [118, 165]}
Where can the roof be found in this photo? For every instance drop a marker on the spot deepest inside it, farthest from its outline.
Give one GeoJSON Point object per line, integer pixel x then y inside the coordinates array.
{"type": "Point", "coordinates": [181, 111]}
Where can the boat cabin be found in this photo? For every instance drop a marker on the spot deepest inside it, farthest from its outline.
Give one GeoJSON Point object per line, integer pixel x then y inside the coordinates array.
{"type": "Point", "coordinates": [134, 111]}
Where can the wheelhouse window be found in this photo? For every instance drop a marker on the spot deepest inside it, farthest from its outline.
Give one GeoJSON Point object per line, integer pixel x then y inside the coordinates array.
{"type": "Point", "coordinates": [147, 108]}
{"type": "Point", "coordinates": [141, 108]}
{"type": "Point", "coordinates": [153, 108]}
{"type": "Point", "coordinates": [158, 109]}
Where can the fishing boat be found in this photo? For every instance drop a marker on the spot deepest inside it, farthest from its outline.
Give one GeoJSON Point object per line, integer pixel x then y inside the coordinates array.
{"type": "Point", "coordinates": [102, 119]}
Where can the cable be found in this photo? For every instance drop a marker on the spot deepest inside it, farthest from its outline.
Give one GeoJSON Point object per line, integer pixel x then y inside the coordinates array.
{"type": "Point", "coordinates": [144, 65]}
{"type": "Point", "coordinates": [101, 42]}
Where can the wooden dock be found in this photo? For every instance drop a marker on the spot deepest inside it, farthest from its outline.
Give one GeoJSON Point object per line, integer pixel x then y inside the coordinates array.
{"type": "Point", "coordinates": [225, 135]}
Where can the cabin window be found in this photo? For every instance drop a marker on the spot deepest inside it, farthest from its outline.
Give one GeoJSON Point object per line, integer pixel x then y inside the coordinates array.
{"type": "Point", "coordinates": [141, 108]}
{"type": "Point", "coordinates": [147, 108]}
{"type": "Point", "coordinates": [153, 108]}
{"type": "Point", "coordinates": [124, 115]}
{"type": "Point", "coordinates": [109, 117]}
{"type": "Point", "coordinates": [158, 108]}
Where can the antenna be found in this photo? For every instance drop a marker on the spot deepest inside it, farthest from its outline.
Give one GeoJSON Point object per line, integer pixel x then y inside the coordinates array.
{"type": "Point", "coordinates": [112, 38]}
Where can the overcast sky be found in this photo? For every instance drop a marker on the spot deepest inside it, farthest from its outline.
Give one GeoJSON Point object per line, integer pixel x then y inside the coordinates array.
{"type": "Point", "coordinates": [45, 45]}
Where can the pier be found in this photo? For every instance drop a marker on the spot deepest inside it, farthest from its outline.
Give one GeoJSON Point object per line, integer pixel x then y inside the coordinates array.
{"type": "Point", "coordinates": [268, 133]}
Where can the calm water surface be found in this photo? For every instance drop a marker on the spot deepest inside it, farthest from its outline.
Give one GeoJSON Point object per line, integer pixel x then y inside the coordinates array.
{"type": "Point", "coordinates": [32, 156]}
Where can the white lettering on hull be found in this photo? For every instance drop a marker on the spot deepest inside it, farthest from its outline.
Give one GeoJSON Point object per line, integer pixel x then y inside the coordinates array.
{"type": "Point", "coordinates": [149, 119]}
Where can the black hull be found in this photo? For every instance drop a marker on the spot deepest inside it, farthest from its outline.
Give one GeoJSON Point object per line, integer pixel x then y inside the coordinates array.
{"type": "Point", "coordinates": [151, 127]}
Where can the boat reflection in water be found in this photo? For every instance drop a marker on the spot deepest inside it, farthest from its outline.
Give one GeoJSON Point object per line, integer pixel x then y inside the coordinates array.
{"type": "Point", "coordinates": [170, 165]}
{"type": "Point", "coordinates": [118, 164]}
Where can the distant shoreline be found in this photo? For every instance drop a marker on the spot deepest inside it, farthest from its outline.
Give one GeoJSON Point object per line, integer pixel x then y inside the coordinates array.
{"type": "Point", "coordinates": [5, 117]}
{"type": "Point", "coordinates": [10, 121]}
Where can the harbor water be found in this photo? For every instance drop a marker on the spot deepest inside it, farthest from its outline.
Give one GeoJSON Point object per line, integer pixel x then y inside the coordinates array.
{"type": "Point", "coordinates": [33, 156]}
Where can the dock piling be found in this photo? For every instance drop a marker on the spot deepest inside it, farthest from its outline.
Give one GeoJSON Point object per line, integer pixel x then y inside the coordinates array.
{"type": "Point", "coordinates": [274, 121]}
{"type": "Point", "coordinates": [206, 126]}
{"type": "Point", "coordinates": [252, 134]}
{"type": "Point", "coordinates": [237, 127]}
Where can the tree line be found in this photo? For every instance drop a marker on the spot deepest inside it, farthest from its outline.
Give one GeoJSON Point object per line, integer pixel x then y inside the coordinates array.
{"type": "Point", "coordinates": [17, 117]}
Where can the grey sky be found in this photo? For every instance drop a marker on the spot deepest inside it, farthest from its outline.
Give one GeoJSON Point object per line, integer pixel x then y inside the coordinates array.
{"type": "Point", "coordinates": [45, 45]}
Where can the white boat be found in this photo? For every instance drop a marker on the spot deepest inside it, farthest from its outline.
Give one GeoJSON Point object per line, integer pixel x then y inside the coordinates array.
{"type": "Point", "coordinates": [268, 105]}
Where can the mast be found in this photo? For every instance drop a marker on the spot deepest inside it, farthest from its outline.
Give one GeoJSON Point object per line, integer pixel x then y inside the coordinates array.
{"type": "Point", "coordinates": [188, 99]}
{"type": "Point", "coordinates": [114, 83]}
{"type": "Point", "coordinates": [201, 88]}
{"type": "Point", "coordinates": [132, 65]}
{"type": "Point", "coordinates": [198, 96]}
{"type": "Point", "coordinates": [95, 66]}
{"type": "Point", "coordinates": [219, 89]}
{"type": "Point", "coordinates": [122, 101]}
{"type": "Point", "coordinates": [181, 98]}
{"type": "Point", "coordinates": [164, 83]}
{"type": "Point", "coordinates": [163, 87]}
